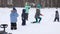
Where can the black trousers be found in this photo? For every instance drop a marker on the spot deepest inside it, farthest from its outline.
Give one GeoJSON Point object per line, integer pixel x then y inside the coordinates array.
{"type": "Point", "coordinates": [23, 22]}
{"type": "Point", "coordinates": [13, 26]}
{"type": "Point", "coordinates": [56, 19]}
{"type": "Point", "coordinates": [38, 18]}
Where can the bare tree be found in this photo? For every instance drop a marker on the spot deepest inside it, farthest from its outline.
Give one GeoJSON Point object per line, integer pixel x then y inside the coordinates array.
{"type": "Point", "coordinates": [51, 3]}
{"type": "Point", "coordinates": [0, 2]}
{"type": "Point", "coordinates": [56, 3]}
{"type": "Point", "coordinates": [48, 3]}
{"type": "Point", "coordinates": [43, 2]}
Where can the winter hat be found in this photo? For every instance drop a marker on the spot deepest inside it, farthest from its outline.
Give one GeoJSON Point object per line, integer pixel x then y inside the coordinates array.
{"type": "Point", "coordinates": [24, 10]}
{"type": "Point", "coordinates": [14, 8]}
{"type": "Point", "coordinates": [57, 11]}
{"type": "Point", "coordinates": [38, 6]}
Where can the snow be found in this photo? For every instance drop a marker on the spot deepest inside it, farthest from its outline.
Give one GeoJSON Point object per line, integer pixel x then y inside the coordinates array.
{"type": "Point", "coordinates": [46, 26]}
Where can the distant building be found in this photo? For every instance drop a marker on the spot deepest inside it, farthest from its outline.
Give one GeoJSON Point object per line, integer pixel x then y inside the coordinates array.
{"type": "Point", "coordinates": [21, 3]}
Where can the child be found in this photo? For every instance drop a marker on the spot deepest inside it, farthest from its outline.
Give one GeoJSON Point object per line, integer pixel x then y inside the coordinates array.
{"type": "Point", "coordinates": [13, 18]}
{"type": "Point", "coordinates": [27, 7]}
{"type": "Point", "coordinates": [23, 17]}
{"type": "Point", "coordinates": [56, 16]}
{"type": "Point", "coordinates": [37, 16]}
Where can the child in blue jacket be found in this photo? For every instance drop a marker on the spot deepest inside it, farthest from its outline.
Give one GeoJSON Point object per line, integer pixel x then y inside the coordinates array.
{"type": "Point", "coordinates": [13, 18]}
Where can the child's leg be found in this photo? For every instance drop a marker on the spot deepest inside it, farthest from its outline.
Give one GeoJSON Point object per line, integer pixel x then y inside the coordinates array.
{"type": "Point", "coordinates": [36, 19]}
{"type": "Point", "coordinates": [39, 19]}
{"type": "Point", "coordinates": [55, 19]}
{"type": "Point", "coordinates": [11, 26]}
{"type": "Point", "coordinates": [58, 19]}
{"type": "Point", "coordinates": [15, 26]}
{"type": "Point", "coordinates": [24, 22]}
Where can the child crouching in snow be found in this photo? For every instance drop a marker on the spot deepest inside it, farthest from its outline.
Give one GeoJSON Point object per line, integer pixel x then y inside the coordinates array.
{"type": "Point", "coordinates": [37, 16]}
{"type": "Point", "coordinates": [13, 18]}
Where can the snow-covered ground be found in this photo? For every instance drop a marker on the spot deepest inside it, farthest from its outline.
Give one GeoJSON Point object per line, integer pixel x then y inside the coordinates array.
{"type": "Point", "coordinates": [46, 26]}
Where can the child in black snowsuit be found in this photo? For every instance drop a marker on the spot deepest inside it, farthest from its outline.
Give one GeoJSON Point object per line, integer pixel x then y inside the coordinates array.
{"type": "Point", "coordinates": [23, 17]}
{"type": "Point", "coordinates": [56, 16]}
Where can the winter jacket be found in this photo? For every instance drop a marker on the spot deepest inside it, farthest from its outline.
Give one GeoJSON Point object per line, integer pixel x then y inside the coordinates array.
{"type": "Point", "coordinates": [37, 13]}
{"type": "Point", "coordinates": [27, 7]}
{"type": "Point", "coordinates": [57, 15]}
{"type": "Point", "coordinates": [13, 16]}
{"type": "Point", "coordinates": [39, 6]}
{"type": "Point", "coordinates": [23, 14]}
